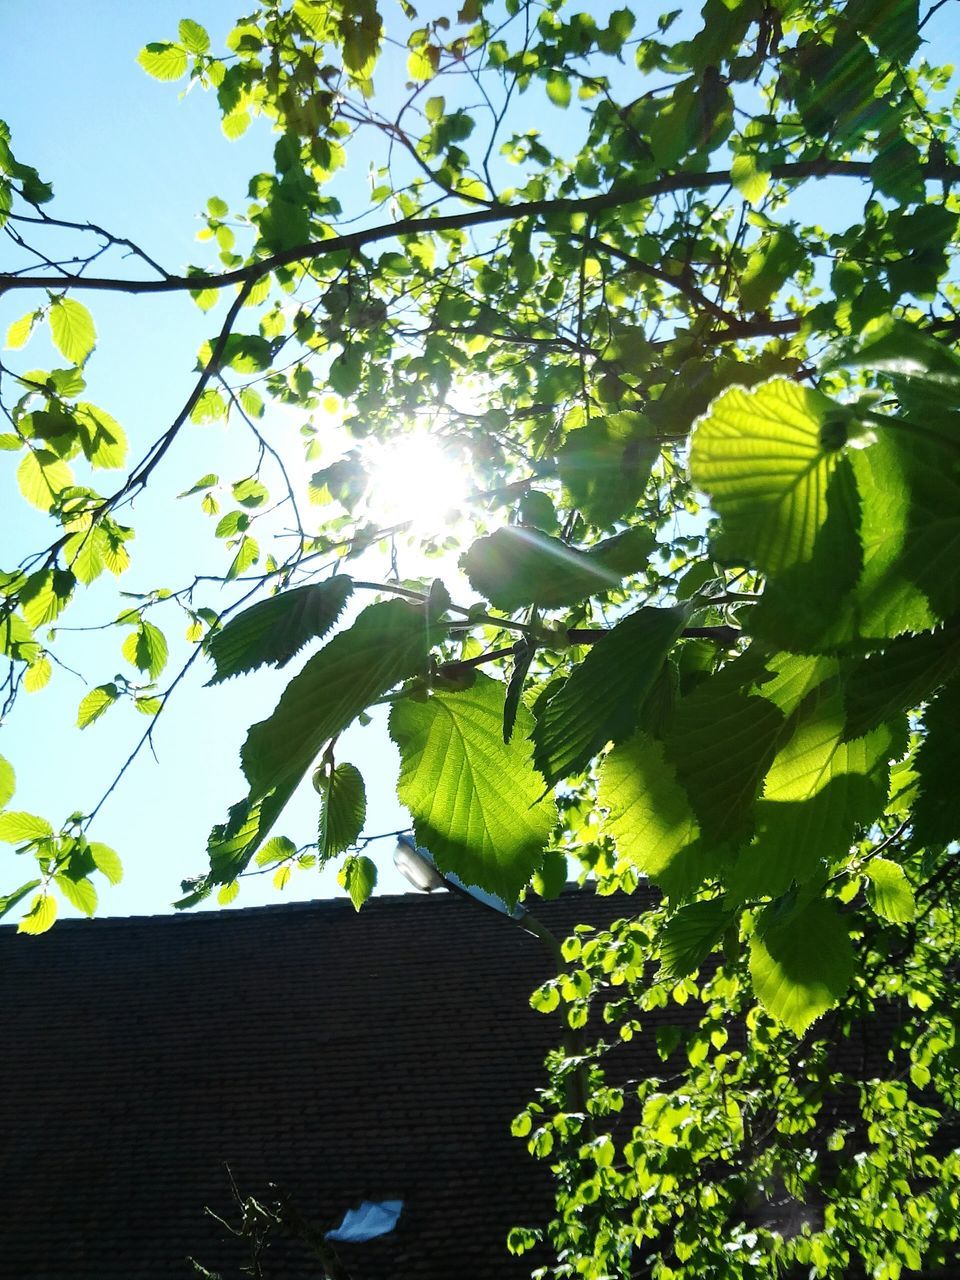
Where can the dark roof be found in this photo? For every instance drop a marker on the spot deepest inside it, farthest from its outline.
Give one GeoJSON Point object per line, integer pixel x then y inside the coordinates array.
{"type": "Point", "coordinates": [341, 1056]}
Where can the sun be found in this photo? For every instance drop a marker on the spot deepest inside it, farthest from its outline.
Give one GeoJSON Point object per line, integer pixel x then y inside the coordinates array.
{"type": "Point", "coordinates": [417, 480]}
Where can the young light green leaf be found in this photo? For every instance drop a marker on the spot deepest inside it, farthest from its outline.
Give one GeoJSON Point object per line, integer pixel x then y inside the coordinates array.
{"type": "Point", "coordinates": [193, 37]}
{"type": "Point", "coordinates": [276, 849]}
{"type": "Point", "coordinates": [801, 965]}
{"type": "Point", "coordinates": [889, 891]}
{"type": "Point", "coordinates": [146, 649]}
{"type": "Point", "coordinates": [79, 893]}
{"type": "Point", "coordinates": [95, 703]}
{"type": "Point", "coordinates": [248, 553]}
{"type": "Point", "coordinates": [749, 177]}
{"type": "Point", "coordinates": [358, 876]}
{"type": "Point", "coordinates": [18, 827]}
{"type": "Point", "coordinates": [37, 675]}
{"type": "Point", "coordinates": [72, 330]}
{"type": "Point", "coordinates": [228, 892]}
{"type": "Point", "coordinates": [8, 782]}
{"type": "Point", "coordinates": [343, 809]}
{"type": "Point", "coordinates": [41, 476]}
{"type": "Point", "coordinates": [275, 630]}
{"type": "Point", "coordinates": [107, 861]}
{"type": "Point", "coordinates": [41, 915]}
{"type": "Point", "coordinates": [163, 61]}
{"type": "Point", "coordinates": [19, 332]}
{"type": "Point", "coordinates": [601, 700]}
{"type": "Point", "coordinates": [476, 801]}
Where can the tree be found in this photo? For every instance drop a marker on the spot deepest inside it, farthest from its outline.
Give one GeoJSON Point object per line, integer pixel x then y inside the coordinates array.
{"type": "Point", "coordinates": [730, 274]}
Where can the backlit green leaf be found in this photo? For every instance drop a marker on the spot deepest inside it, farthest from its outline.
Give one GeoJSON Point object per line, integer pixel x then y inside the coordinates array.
{"type": "Point", "coordinates": [71, 327]}
{"type": "Point", "coordinates": [273, 631]}
{"type": "Point", "coordinates": [601, 700]}
{"type": "Point", "coordinates": [358, 876]}
{"type": "Point", "coordinates": [343, 809]}
{"type": "Point", "coordinates": [476, 801]}
{"type": "Point", "coordinates": [79, 893]}
{"type": "Point", "coordinates": [515, 567]}
{"type": "Point", "coordinates": [8, 782]}
{"type": "Point", "coordinates": [650, 817]}
{"type": "Point", "coordinates": [802, 965]}
{"type": "Point", "coordinates": [765, 457]}
{"type": "Point", "coordinates": [95, 703]}
{"type": "Point", "coordinates": [889, 891]}
{"type": "Point", "coordinates": [41, 915]}
{"type": "Point", "coordinates": [18, 827]}
{"type": "Point", "coordinates": [163, 61]}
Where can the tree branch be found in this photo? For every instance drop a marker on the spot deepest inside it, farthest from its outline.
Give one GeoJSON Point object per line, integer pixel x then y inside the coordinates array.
{"type": "Point", "coordinates": [616, 198]}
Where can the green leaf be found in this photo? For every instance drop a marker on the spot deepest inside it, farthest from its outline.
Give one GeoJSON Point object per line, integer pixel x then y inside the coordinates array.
{"type": "Point", "coordinates": [691, 934]}
{"type": "Point", "coordinates": [106, 861]}
{"type": "Point", "coordinates": [248, 553]}
{"type": "Point", "coordinates": [146, 649]}
{"type": "Point", "coordinates": [476, 801]}
{"type": "Point", "coordinates": [358, 876]}
{"type": "Point", "coordinates": [276, 849]}
{"type": "Point", "coordinates": [515, 567]}
{"type": "Point", "coordinates": [95, 703]}
{"type": "Point", "coordinates": [606, 464]}
{"type": "Point", "coordinates": [250, 492]}
{"type": "Point", "coordinates": [749, 177]}
{"type": "Point", "coordinates": [275, 630]}
{"type": "Point", "coordinates": [19, 332]}
{"type": "Point", "coordinates": [41, 476]}
{"type": "Point", "coordinates": [801, 965]}
{"type": "Point", "coordinates": [163, 61]}
{"type": "Point", "coordinates": [721, 740]}
{"type": "Point", "coordinates": [551, 879]}
{"type": "Point", "coordinates": [45, 595]}
{"type": "Point", "coordinates": [820, 788]}
{"type": "Point", "coordinates": [343, 809]}
{"type": "Point", "coordinates": [37, 675]}
{"type": "Point", "coordinates": [10, 901]}
{"type": "Point", "coordinates": [558, 88]}
{"type": "Point", "coordinates": [935, 814]}
{"type": "Point", "coordinates": [103, 440]}
{"type": "Point", "coordinates": [8, 782]}
{"type": "Point", "coordinates": [889, 891]}
{"type": "Point", "coordinates": [228, 893]}
{"type": "Point", "coordinates": [650, 816]}
{"type": "Point", "coordinates": [388, 643]}
{"type": "Point", "coordinates": [193, 37]}
{"type": "Point", "coordinates": [16, 828]}
{"type": "Point", "coordinates": [601, 700]}
{"type": "Point", "coordinates": [764, 457]}
{"type": "Point", "coordinates": [71, 327]}
{"type": "Point", "coordinates": [907, 673]}
{"type": "Point", "coordinates": [41, 915]}
{"type": "Point", "coordinates": [79, 893]}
